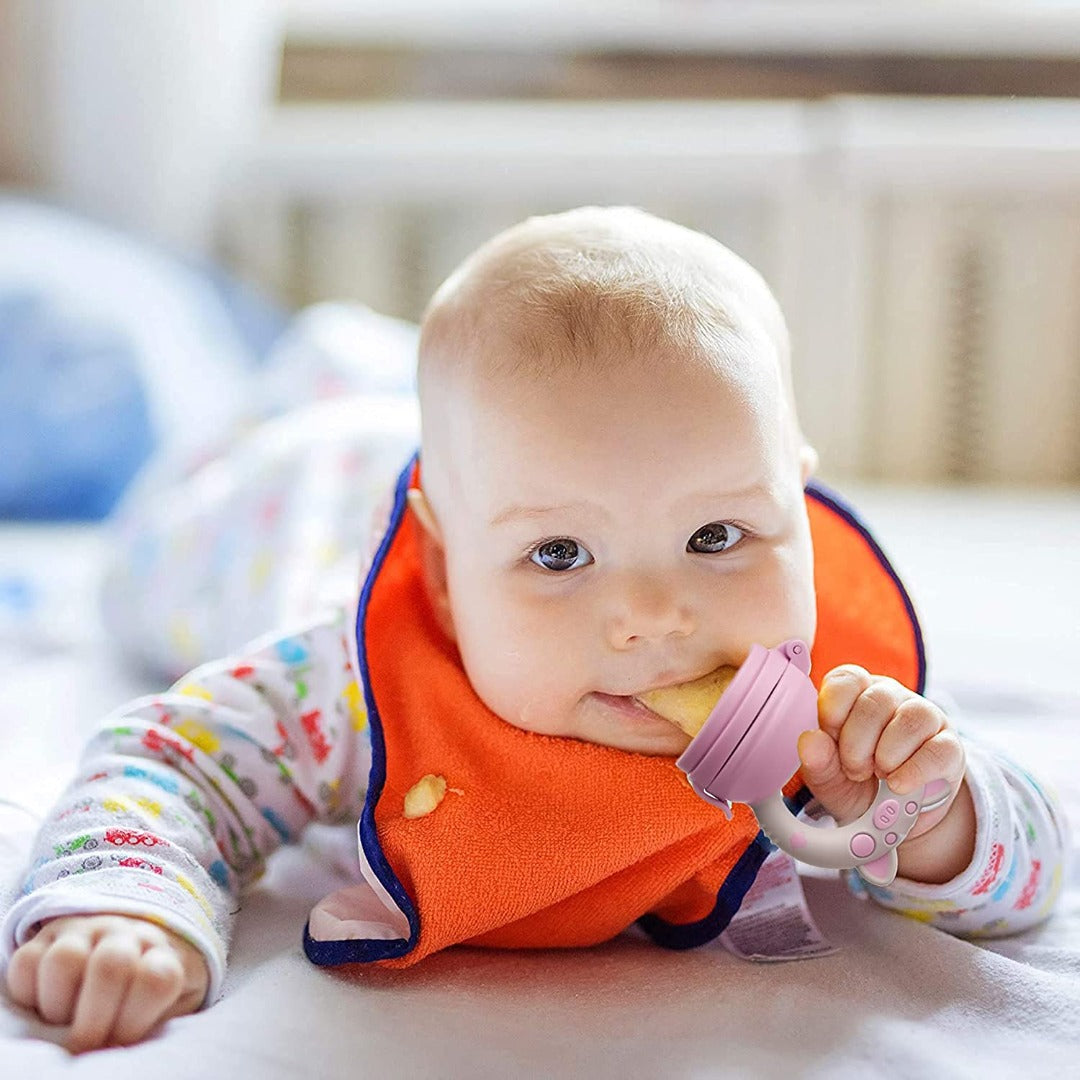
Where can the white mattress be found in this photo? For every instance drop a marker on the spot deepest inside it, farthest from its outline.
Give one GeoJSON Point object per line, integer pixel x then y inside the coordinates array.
{"type": "Point", "coordinates": [997, 581]}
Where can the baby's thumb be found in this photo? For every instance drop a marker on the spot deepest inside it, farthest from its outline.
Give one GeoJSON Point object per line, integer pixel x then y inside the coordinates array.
{"type": "Point", "coordinates": [842, 798]}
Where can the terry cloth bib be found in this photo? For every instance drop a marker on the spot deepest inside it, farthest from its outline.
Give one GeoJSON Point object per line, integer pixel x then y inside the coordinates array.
{"type": "Point", "coordinates": [541, 841]}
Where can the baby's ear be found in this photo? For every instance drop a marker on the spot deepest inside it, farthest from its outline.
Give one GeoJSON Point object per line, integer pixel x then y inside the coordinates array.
{"type": "Point", "coordinates": [419, 505]}
{"type": "Point", "coordinates": [808, 462]}
{"type": "Point", "coordinates": [433, 560]}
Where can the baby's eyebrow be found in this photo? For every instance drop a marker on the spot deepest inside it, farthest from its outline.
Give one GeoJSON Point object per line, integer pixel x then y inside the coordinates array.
{"type": "Point", "coordinates": [754, 493]}
{"type": "Point", "coordinates": [515, 511]}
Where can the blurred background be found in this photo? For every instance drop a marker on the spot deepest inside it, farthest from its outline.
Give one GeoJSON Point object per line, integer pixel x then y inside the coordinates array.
{"type": "Point", "coordinates": [907, 177]}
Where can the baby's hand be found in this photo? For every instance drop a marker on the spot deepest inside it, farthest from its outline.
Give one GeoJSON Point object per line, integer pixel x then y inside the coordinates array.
{"type": "Point", "coordinates": [112, 977]}
{"type": "Point", "coordinates": [872, 727]}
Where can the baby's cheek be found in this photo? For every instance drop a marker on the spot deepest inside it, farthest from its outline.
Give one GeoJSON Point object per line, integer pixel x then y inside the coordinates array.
{"type": "Point", "coordinates": [792, 601]}
{"type": "Point", "coordinates": [501, 662]}
{"type": "Point", "coordinates": [770, 605]}
{"type": "Point", "coordinates": [532, 681]}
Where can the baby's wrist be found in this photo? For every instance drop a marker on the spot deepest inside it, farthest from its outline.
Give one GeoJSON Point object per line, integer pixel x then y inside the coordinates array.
{"type": "Point", "coordinates": [945, 849]}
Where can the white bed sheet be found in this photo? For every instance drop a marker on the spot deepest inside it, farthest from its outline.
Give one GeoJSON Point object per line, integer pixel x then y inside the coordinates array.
{"type": "Point", "coordinates": [997, 582]}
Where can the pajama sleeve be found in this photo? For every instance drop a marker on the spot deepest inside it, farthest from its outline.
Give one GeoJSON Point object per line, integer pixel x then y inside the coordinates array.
{"type": "Point", "coordinates": [1017, 871]}
{"type": "Point", "coordinates": [180, 797]}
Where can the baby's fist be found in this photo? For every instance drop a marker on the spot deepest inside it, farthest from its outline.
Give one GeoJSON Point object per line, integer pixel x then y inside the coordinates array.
{"type": "Point", "coordinates": [113, 978]}
{"type": "Point", "coordinates": [873, 727]}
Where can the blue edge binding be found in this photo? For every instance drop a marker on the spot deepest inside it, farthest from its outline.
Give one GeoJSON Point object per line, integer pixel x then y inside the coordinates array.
{"type": "Point", "coordinates": [669, 935]}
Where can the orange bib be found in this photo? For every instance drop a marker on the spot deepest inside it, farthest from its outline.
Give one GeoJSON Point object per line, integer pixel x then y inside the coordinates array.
{"type": "Point", "coordinates": [552, 842]}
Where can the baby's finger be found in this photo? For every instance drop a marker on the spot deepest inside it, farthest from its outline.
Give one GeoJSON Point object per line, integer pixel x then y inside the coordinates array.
{"type": "Point", "coordinates": [189, 1001]}
{"type": "Point", "coordinates": [60, 974]}
{"type": "Point", "coordinates": [109, 972]}
{"type": "Point", "coordinates": [22, 973]}
{"type": "Point", "coordinates": [155, 987]}
{"type": "Point", "coordinates": [939, 758]}
{"type": "Point", "coordinates": [839, 690]}
{"type": "Point", "coordinates": [873, 710]}
{"type": "Point", "coordinates": [915, 721]}
{"type": "Point", "coordinates": [820, 767]}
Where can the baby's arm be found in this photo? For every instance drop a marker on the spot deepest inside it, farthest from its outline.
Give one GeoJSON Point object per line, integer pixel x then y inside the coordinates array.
{"type": "Point", "coordinates": [1021, 844]}
{"type": "Point", "coordinates": [179, 800]}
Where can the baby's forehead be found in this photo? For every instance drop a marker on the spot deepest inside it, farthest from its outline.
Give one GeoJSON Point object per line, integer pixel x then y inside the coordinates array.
{"type": "Point", "coordinates": [613, 440]}
{"type": "Point", "coordinates": [624, 447]}
{"type": "Point", "coordinates": [660, 396]}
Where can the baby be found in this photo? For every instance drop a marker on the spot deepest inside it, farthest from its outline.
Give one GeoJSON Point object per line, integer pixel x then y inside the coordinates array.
{"type": "Point", "coordinates": [610, 499]}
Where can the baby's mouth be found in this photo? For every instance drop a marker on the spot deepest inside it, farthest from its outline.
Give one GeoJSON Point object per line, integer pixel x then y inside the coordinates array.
{"type": "Point", "coordinates": [629, 707]}
{"type": "Point", "coordinates": [688, 705]}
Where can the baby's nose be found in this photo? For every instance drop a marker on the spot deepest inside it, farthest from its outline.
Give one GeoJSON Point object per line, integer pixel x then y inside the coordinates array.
{"type": "Point", "coordinates": [649, 608]}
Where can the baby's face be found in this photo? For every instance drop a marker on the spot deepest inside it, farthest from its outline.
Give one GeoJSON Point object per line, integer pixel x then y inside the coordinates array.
{"type": "Point", "coordinates": [610, 533]}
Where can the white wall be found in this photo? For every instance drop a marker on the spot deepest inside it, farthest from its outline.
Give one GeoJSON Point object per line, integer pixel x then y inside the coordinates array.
{"type": "Point", "coordinates": [130, 111]}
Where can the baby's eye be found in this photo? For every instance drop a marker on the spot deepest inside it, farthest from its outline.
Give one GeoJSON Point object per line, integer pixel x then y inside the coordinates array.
{"type": "Point", "coordinates": [714, 537]}
{"type": "Point", "coordinates": [561, 554]}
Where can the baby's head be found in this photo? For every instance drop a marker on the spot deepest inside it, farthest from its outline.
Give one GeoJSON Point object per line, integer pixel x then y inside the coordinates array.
{"type": "Point", "coordinates": [612, 471]}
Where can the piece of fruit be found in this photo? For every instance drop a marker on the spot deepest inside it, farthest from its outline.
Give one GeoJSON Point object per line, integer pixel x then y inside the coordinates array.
{"type": "Point", "coordinates": [424, 795]}
{"type": "Point", "coordinates": [688, 705]}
